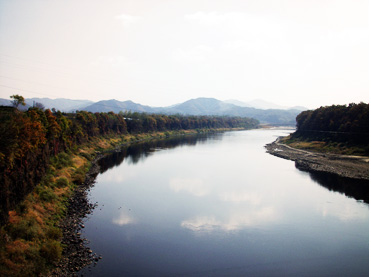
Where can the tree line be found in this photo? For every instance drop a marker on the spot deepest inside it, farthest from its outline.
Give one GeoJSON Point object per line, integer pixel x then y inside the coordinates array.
{"type": "Point", "coordinates": [336, 123]}
{"type": "Point", "coordinates": [29, 139]}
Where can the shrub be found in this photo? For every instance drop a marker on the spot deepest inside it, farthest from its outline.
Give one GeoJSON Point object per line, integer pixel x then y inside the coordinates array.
{"type": "Point", "coordinates": [79, 176]}
{"type": "Point", "coordinates": [46, 194]}
{"type": "Point", "coordinates": [62, 182]}
{"type": "Point", "coordinates": [51, 251]}
{"type": "Point", "coordinates": [62, 160]}
{"type": "Point", "coordinates": [26, 229]}
{"type": "Point", "coordinates": [86, 156]}
{"type": "Point", "coordinates": [54, 233]}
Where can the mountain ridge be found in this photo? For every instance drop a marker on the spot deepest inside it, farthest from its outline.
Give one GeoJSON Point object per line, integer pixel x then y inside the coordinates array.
{"type": "Point", "coordinates": [264, 105]}
{"type": "Point", "coordinates": [197, 106]}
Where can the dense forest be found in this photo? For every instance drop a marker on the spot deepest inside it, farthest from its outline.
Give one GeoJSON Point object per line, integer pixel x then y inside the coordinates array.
{"type": "Point", "coordinates": [347, 124]}
{"type": "Point", "coordinates": [29, 139]}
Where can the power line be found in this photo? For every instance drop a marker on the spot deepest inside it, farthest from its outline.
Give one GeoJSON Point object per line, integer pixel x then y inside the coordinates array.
{"type": "Point", "coordinates": [17, 79]}
{"type": "Point", "coordinates": [31, 60]}
{"type": "Point", "coordinates": [29, 91]}
{"type": "Point", "coordinates": [87, 74]}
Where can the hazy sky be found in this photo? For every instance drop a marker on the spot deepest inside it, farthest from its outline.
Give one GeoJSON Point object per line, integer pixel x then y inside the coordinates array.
{"type": "Point", "coordinates": [161, 52]}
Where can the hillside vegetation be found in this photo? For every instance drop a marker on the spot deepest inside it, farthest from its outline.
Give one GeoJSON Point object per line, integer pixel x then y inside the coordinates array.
{"type": "Point", "coordinates": [29, 139]}
{"type": "Point", "coordinates": [342, 129]}
{"type": "Point", "coordinates": [199, 107]}
{"type": "Point", "coordinates": [45, 155]}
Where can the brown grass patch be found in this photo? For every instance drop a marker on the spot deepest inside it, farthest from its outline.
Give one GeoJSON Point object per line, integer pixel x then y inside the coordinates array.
{"type": "Point", "coordinates": [308, 144]}
{"type": "Point", "coordinates": [16, 247]}
{"type": "Point", "coordinates": [13, 217]}
{"type": "Point", "coordinates": [39, 208]}
{"type": "Point", "coordinates": [61, 191]}
{"type": "Point", "coordinates": [12, 267]}
{"type": "Point", "coordinates": [103, 144]}
{"type": "Point", "coordinates": [66, 172]}
{"type": "Point", "coordinates": [50, 207]}
{"type": "Point", "coordinates": [78, 161]}
{"type": "Point", "coordinates": [36, 215]}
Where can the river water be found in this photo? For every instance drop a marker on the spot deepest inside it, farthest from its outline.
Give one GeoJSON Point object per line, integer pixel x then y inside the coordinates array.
{"type": "Point", "coordinates": [219, 205]}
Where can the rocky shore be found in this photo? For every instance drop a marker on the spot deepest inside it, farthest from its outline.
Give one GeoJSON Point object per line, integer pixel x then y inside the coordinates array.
{"type": "Point", "coordinates": [77, 254]}
{"type": "Point", "coordinates": [355, 167]}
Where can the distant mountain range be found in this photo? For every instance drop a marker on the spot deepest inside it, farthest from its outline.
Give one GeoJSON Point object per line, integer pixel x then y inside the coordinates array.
{"type": "Point", "coordinates": [61, 104]}
{"type": "Point", "coordinates": [264, 105]}
{"type": "Point", "coordinates": [198, 106]}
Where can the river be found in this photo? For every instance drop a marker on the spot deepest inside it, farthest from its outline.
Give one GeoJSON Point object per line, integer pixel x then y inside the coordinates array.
{"type": "Point", "coordinates": [219, 205]}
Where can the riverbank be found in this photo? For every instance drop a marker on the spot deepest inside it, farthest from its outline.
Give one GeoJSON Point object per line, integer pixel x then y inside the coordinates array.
{"type": "Point", "coordinates": [43, 234]}
{"type": "Point", "coordinates": [76, 253]}
{"type": "Point", "coordinates": [355, 167]}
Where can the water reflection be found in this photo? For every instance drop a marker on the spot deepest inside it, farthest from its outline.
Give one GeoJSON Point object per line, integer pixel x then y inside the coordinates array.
{"type": "Point", "coordinates": [237, 197]}
{"type": "Point", "coordinates": [123, 219]}
{"type": "Point", "coordinates": [236, 220]}
{"type": "Point", "coordinates": [357, 189]}
{"type": "Point", "coordinates": [222, 204]}
{"type": "Point", "coordinates": [195, 186]}
{"type": "Point", "coordinates": [140, 151]}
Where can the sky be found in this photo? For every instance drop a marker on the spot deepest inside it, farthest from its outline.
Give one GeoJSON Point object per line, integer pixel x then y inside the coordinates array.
{"type": "Point", "coordinates": [310, 53]}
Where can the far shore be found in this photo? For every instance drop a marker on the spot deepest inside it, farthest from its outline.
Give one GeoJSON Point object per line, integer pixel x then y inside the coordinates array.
{"type": "Point", "coordinates": [355, 167]}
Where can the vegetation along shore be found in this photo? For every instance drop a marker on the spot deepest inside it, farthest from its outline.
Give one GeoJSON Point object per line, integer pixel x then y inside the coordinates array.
{"type": "Point", "coordinates": [48, 162]}
{"type": "Point", "coordinates": [331, 139]}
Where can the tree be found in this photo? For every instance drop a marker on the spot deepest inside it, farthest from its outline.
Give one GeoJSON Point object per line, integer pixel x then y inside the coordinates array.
{"type": "Point", "coordinates": [39, 106]}
{"type": "Point", "coordinates": [18, 100]}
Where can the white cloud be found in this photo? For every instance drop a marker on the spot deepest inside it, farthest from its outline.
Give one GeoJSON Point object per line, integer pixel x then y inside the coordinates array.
{"type": "Point", "coordinates": [215, 18]}
{"type": "Point", "coordinates": [114, 61]}
{"type": "Point", "coordinates": [196, 187]}
{"type": "Point", "coordinates": [123, 219]}
{"type": "Point", "coordinates": [196, 54]}
{"type": "Point", "coordinates": [348, 212]}
{"type": "Point", "coordinates": [237, 197]}
{"type": "Point", "coordinates": [127, 19]}
{"type": "Point", "coordinates": [237, 24]}
{"type": "Point", "coordinates": [235, 222]}
{"type": "Point", "coordinates": [201, 223]}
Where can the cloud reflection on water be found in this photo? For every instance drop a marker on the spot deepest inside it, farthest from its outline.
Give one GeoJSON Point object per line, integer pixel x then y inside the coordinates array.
{"type": "Point", "coordinates": [237, 197]}
{"type": "Point", "coordinates": [234, 221]}
{"type": "Point", "coordinates": [344, 212]}
{"type": "Point", "coordinates": [195, 186]}
{"type": "Point", "coordinates": [123, 219]}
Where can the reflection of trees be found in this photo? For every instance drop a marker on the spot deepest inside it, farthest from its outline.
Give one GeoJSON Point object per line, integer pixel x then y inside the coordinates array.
{"type": "Point", "coordinates": [140, 151]}
{"type": "Point", "coordinates": [358, 189]}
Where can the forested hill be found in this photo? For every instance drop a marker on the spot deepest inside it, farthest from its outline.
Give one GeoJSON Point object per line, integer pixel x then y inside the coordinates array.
{"type": "Point", "coordinates": [198, 106]}
{"type": "Point", "coordinates": [347, 124]}
{"type": "Point", "coordinates": [29, 139]}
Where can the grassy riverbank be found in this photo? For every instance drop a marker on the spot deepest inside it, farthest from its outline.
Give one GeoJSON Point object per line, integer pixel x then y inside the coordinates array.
{"type": "Point", "coordinates": [341, 148]}
{"type": "Point", "coordinates": [30, 244]}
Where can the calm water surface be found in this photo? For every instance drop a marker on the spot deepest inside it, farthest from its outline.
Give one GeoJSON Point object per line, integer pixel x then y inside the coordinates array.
{"type": "Point", "coordinates": [221, 206]}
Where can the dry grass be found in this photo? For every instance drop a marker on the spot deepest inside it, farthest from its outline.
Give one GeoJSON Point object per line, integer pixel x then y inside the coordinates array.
{"type": "Point", "coordinates": [13, 217]}
{"type": "Point", "coordinates": [28, 249]}
{"type": "Point", "coordinates": [325, 147]}
{"type": "Point", "coordinates": [62, 191]}
{"type": "Point", "coordinates": [309, 145]}
{"type": "Point", "coordinates": [78, 161]}
{"type": "Point", "coordinates": [36, 214]}
{"type": "Point", "coordinates": [28, 246]}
